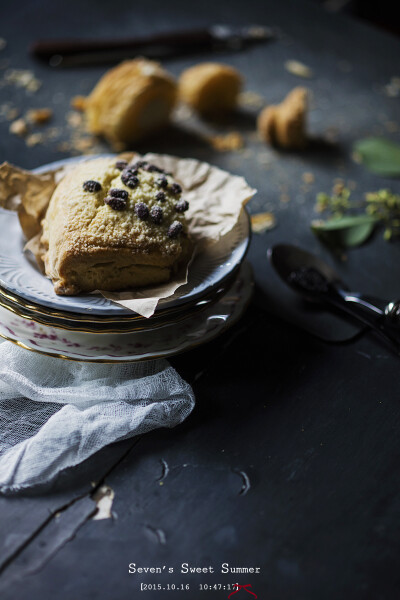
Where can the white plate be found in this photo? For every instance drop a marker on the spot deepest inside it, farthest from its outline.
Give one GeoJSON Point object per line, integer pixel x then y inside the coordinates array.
{"type": "Point", "coordinates": [20, 275]}
{"type": "Point", "coordinates": [130, 347]}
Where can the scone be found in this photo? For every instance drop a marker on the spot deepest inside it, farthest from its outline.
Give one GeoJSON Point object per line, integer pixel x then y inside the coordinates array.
{"type": "Point", "coordinates": [210, 87]}
{"type": "Point", "coordinates": [113, 226]}
{"type": "Point", "coordinates": [284, 125]}
{"type": "Point", "coordinates": [130, 101]}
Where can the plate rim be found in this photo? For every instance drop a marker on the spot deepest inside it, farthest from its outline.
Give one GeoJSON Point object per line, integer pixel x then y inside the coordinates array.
{"type": "Point", "coordinates": [162, 321]}
{"type": "Point", "coordinates": [246, 267]}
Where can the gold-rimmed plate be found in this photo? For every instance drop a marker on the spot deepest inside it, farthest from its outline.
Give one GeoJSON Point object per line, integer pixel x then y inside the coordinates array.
{"type": "Point", "coordinates": [41, 313]}
{"type": "Point", "coordinates": [165, 341]}
{"type": "Point", "coordinates": [85, 325]}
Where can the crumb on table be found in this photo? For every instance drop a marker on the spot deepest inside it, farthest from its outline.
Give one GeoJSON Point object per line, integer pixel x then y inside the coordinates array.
{"type": "Point", "coordinates": [19, 127]}
{"type": "Point", "coordinates": [39, 115]}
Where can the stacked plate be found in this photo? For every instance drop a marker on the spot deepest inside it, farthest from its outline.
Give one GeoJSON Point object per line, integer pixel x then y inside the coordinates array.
{"type": "Point", "coordinates": [91, 328]}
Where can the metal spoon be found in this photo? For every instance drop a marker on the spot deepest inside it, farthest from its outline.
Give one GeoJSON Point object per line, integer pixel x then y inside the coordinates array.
{"type": "Point", "coordinates": [317, 281]}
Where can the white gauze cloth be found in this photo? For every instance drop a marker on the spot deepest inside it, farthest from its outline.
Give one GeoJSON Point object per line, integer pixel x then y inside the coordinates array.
{"type": "Point", "coordinates": [56, 413]}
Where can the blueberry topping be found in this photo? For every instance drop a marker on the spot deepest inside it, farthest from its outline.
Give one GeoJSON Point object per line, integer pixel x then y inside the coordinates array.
{"type": "Point", "coordinates": [121, 165]}
{"type": "Point", "coordinates": [156, 215]}
{"type": "Point", "coordinates": [141, 164]}
{"type": "Point", "coordinates": [117, 193]}
{"type": "Point", "coordinates": [153, 169]}
{"type": "Point", "coordinates": [115, 203]}
{"type": "Point", "coordinates": [141, 210]}
{"type": "Point", "coordinates": [129, 178]}
{"type": "Point", "coordinates": [131, 171]}
{"type": "Point", "coordinates": [160, 196]}
{"type": "Point", "coordinates": [174, 229]}
{"type": "Point", "coordinates": [181, 206]}
{"type": "Point", "coordinates": [132, 182]}
{"type": "Point", "coordinates": [176, 188]}
{"type": "Point", "coordinates": [91, 186]}
{"type": "Point", "coordinates": [162, 182]}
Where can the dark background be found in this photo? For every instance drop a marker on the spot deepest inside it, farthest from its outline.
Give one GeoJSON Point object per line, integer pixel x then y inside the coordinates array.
{"type": "Point", "coordinates": [382, 14]}
{"type": "Point", "coordinates": [313, 426]}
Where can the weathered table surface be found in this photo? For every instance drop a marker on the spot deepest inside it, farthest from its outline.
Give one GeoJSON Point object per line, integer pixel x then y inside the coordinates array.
{"type": "Point", "coordinates": [289, 460]}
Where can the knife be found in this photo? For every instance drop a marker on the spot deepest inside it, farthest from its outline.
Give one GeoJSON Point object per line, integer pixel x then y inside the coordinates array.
{"type": "Point", "coordinates": [82, 51]}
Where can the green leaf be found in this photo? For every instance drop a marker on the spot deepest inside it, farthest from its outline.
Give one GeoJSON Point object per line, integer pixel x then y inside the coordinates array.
{"type": "Point", "coordinates": [345, 232]}
{"type": "Point", "coordinates": [379, 155]}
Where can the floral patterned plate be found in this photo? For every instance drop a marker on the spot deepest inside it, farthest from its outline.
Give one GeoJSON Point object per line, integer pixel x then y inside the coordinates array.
{"type": "Point", "coordinates": [165, 341]}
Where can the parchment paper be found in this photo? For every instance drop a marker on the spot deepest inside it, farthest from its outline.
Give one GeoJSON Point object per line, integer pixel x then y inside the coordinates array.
{"type": "Point", "coordinates": [215, 201]}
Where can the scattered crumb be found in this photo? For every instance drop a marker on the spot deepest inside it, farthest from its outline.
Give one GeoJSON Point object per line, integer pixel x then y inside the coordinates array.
{"type": "Point", "coordinates": [74, 119]}
{"type": "Point", "coordinates": [3, 43]}
{"type": "Point", "coordinates": [64, 147]}
{"type": "Point", "coordinates": [284, 198]}
{"type": "Point", "coordinates": [34, 139]}
{"type": "Point", "coordinates": [81, 143]}
{"type": "Point", "coordinates": [9, 112]}
{"type": "Point", "coordinates": [262, 222]}
{"type": "Point", "coordinates": [53, 132]}
{"type": "Point", "coordinates": [22, 78]}
{"type": "Point", "coordinates": [251, 99]}
{"type": "Point", "coordinates": [39, 115]}
{"type": "Point", "coordinates": [84, 144]}
{"type": "Point", "coordinates": [226, 143]}
{"type": "Point", "coordinates": [19, 127]}
{"type": "Point", "coordinates": [308, 177]}
{"type": "Point", "coordinates": [78, 103]}
{"type": "Point", "coordinates": [297, 68]}
{"type": "Point", "coordinates": [12, 114]}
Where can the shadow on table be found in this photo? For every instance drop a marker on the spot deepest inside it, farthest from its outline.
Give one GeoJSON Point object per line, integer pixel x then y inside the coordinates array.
{"type": "Point", "coordinates": [240, 120]}
{"type": "Point", "coordinates": [174, 139]}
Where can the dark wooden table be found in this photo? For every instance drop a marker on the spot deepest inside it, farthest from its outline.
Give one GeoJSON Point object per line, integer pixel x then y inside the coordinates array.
{"type": "Point", "coordinates": [289, 461]}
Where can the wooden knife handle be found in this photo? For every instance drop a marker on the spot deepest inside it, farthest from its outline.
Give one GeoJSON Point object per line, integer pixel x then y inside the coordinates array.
{"type": "Point", "coordinates": [183, 40]}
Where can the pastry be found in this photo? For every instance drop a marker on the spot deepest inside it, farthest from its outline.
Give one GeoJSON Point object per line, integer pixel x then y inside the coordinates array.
{"type": "Point", "coordinates": [210, 87]}
{"type": "Point", "coordinates": [113, 226]}
{"type": "Point", "coordinates": [284, 124]}
{"type": "Point", "coordinates": [130, 101]}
